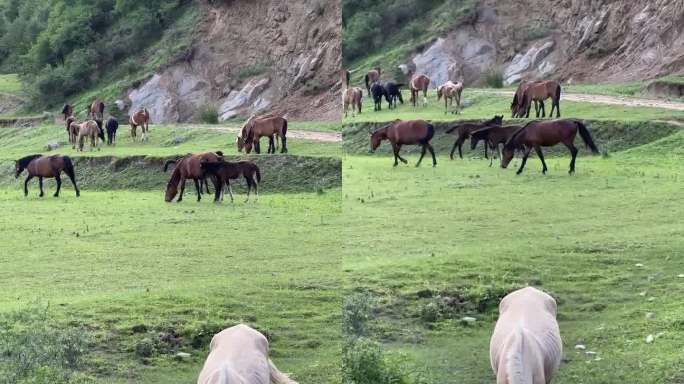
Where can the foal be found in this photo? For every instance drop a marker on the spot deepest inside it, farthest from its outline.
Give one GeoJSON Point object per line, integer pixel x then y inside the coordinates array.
{"type": "Point", "coordinates": [225, 171]}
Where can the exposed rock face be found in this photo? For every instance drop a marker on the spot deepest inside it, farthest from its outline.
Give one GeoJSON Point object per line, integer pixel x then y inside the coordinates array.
{"type": "Point", "coordinates": [254, 56]}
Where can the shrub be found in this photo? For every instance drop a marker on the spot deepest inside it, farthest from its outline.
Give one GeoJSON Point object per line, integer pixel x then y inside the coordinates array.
{"type": "Point", "coordinates": [356, 312]}
{"type": "Point", "coordinates": [208, 114]}
{"type": "Point", "coordinates": [494, 78]}
{"type": "Point", "coordinates": [363, 362]}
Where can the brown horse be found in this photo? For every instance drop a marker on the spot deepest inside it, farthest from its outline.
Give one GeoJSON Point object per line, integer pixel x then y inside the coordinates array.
{"type": "Point", "coordinates": [140, 119]}
{"type": "Point", "coordinates": [70, 120]}
{"type": "Point", "coordinates": [417, 84]}
{"type": "Point", "coordinates": [67, 111]}
{"type": "Point", "coordinates": [353, 97]}
{"type": "Point", "coordinates": [371, 77]}
{"type": "Point", "coordinates": [270, 125]}
{"type": "Point", "coordinates": [450, 91]}
{"type": "Point", "coordinates": [464, 129]}
{"type": "Point", "coordinates": [74, 127]}
{"type": "Point", "coordinates": [190, 167]}
{"type": "Point", "coordinates": [96, 110]}
{"type": "Point", "coordinates": [516, 105]}
{"type": "Point", "coordinates": [493, 137]}
{"type": "Point", "coordinates": [539, 134]}
{"type": "Point", "coordinates": [46, 166]}
{"type": "Point", "coordinates": [412, 132]}
{"type": "Point", "coordinates": [225, 171]}
{"type": "Point", "coordinates": [538, 92]}
{"type": "Point", "coordinates": [89, 130]}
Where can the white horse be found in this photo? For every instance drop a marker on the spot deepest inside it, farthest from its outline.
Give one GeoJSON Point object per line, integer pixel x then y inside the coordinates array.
{"type": "Point", "coordinates": [239, 355]}
{"type": "Point", "coordinates": [526, 346]}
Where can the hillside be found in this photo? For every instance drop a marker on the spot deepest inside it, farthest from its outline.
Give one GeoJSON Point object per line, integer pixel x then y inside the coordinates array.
{"type": "Point", "coordinates": [574, 41]}
{"type": "Point", "coordinates": [179, 58]}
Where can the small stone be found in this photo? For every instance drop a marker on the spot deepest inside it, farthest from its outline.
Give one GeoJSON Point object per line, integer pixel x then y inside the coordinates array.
{"type": "Point", "coordinates": [650, 315]}
{"type": "Point", "coordinates": [581, 347]}
{"type": "Point", "coordinates": [642, 293]}
{"type": "Point", "coordinates": [468, 319]}
{"type": "Point", "coordinates": [590, 353]}
{"type": "Point", "coordinates": [681, 275]}
{"type": "Point", "coordinates": [651, 298]}
{"type": "Point", "coordinates": [638, 265]}
{"type": "Point", "coordinates": [182, 355]}
{"type": "Point", "coordinates": [649, 339]}
{"type": "Point", "coordinates": [598, 358]}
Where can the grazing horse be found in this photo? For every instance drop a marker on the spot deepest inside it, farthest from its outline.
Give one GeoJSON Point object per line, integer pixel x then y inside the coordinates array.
{"type": "Point", "coordinates": [539, 134]}
{"type": "Point", "coordinates": [112, 125]}
{"type": "Point", "coordinates": [140, 119]}
{"type": "Point", "coordinates": [378, 92]}
{"type": "Point", "coordinates": [412, 132]}
{"type": "Point", "coordinates": [96, 110]}
{"type": "Point", "coordinates": [526, 347]}
{"type": "Point", "coordinates": [517, 104]}
{"type": "Point", "coordinates": [67, 111]}
{"type": "Point", "coordinates": [493, 137]}
{"type": "Point", "coordinates": [464, 130]}
{"type": "Point", "coordinates": [263, 126]}
{"type": "Point", "coordinates": [393, 93]}
{"type": "Point", "coordinates": [190, 167]}
{"type": "Point", "coordinates": [538, 92]}
{"type": "Point", "coordinates": [226, 171]}
{"type": "Point", "coordinates": [89, 130]}
{"type": "Point", "coordinates": [46, 166]}
{"type": "Point", "coordinates": [371, 77]}
{"type": "Point", "coordinates": [417, 84]}
{"type": "Point", "coordinates": [239, 355]}
{"type": "Point", "coordinates": [353, 98]}
{"type": "Point", "coordinates": [450, 91]}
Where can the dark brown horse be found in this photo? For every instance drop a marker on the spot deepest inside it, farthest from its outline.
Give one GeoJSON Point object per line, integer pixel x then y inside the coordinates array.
{"type": "Point", "coordinates": [493, 137]}
{"type": "Point", "coordinates": [70, 120]}
{"type": "Point", "coordinates": [371, 77]}
{"type": "Point", "coordinates": [140, 119]}
{"type": "Point", "coordinates": [67, 111]}
{"type": "Point", "coordinates": [417, 84]}
{"type": "Point", "coordinates": [96, 110]}
{"type": "Point", "coordinates": [464, 129]}
{"type": "Point", "coordinates": [225, 171]}
{"type": "Point", "coordinates": [516, 105]}
{"type": "Point", "coordinates": [190, 167]}
{"type": "Point", "coordinates": [537, 92]}
{"type": "Point", "coordinates": [539, 134]}
{"type": "Point", "coordinates": [46, 166]}
{"type": "Point", "coordinates": [256, 127]}
{"type": "Point", "coordinates": [412, 132]}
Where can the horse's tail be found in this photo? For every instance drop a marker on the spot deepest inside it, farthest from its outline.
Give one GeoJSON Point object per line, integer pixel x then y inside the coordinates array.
{"type": "Point", "coordinates": [257, 172]}
{"type": "Point", "coordinates": [347, 77]}
{"type": "Point", "coordinates": [586, 137]}
{"type": "Point", "coordinates": [367, 78]}
{"type": "Point", "coordinates": [514, 370]}
{"type": "Point", "coordinates": [283, 130]}
{"type": "Point", "coordinates": [429, 135]}
{"type": "Point", "coordinates": [558, 93]}
{"type": "Point", "coordinates": [278, 377]}
{"type": "Point", "coordinates": [69, 167]}
{"type": "Point", "coordinates": [168, 163]}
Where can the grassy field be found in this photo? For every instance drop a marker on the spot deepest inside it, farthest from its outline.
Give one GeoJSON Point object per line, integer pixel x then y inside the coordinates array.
{"type": "Point", "coordinates": [10, 83]}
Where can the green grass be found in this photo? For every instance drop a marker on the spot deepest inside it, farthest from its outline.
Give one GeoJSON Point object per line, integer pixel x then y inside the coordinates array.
{"type": "Point", "coordinates": [483, 103]}
{"type": "Point", "coordinates": [464, 230]}
{"type": "Point", "coordinates": [10, 83]}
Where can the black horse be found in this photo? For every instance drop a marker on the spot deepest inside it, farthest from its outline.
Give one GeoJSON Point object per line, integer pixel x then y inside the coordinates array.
{"type": "Point", "coordinates": [378, 92]}
{"type": "Point", "coordinates": [112, 126]}
{"type": "Point", "coordinates": [392, 93]}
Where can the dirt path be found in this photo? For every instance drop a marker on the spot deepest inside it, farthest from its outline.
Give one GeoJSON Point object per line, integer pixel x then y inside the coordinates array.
{"type": "Point", "coordinates": [612, 100]}
{"type": "Point", "coordinates": [328, 137]}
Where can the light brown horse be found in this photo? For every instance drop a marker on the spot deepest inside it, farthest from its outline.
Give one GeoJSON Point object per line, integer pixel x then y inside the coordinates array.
{"type": "Point", "coordinates": [69, 121]}
{"type": "Point", "coordinates": [96, 110]}
{"type": "Point", "coordinates": [464, 129]}
{"type": "Point", "coordinates": [226, 171]}
{"type": "Point", "coordinates": [412, 132]}
{"type": "Point", "coordinates": [74, 127]}
{"type": "Point", "coordinates": [417, 84]}
{"type": "Point", "coordinates": [539, 134]}
{"type": "Point", "coordinates": [538, 92]}
{"type": "Point", "coordinates": [190, 167]}
{"type": "Point", "coordinates": [353, 97]}
{"type": "Point", "coordinates": [371, 77]}
{"type": "Point", "coordinates": [89, 130]}
{"type": "Point", "coordinates": [450, 91]}
{"type": "Point", "coordinates": [271, 126]}
{"type": "Point", "coordinates": [141, 119]}
{"type": "Point", "coordinates": [46, 166]}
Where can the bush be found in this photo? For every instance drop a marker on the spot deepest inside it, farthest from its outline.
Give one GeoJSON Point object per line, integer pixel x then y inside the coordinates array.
{"type": "Point", "coordinates": [208, 114]}
{"type": "Point", "coordinates": [363, 362]}
{"type": "Point", "coordinates": [494, 78]}
{"type": "Point", "coordinates": [356, 312]}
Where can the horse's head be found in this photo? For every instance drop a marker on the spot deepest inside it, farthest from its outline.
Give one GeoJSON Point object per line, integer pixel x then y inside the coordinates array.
{"type": "Point", "coordinates": [496, 120]}
{"type": "Point", "coordinates": [377, 137]}
{"type": "Point", "coordinates": [171, 191]}
{"type": "Point", "coordinates": [240, 142]}
{"type": "Point", "coordinates": [474, 139]}
{"type": "Point", "coordinates": [507, 155]}
{"type": "Point", "coordinates": [18, 169]}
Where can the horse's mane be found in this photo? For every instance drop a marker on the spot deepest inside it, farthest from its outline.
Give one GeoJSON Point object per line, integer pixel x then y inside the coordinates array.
{"type": "Point", "coordinates": [511, 140]}
{"type": "Point", "coordinates": [373, 132]}
{"type": "Point", "coordinates": [24, 161]}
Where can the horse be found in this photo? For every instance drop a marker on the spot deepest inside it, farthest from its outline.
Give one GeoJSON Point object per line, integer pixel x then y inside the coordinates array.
{"type": "Point", "coordinates": [412, 132]}
{"type": "Point", "coordinates": [67, 110]}
{"type": "Point", "coordinates": [140, 119]}
{"type": "Point", "coordinates": [516, 104]}
{"type": "Point", "coordinates": [393, 93]}
{"type": "Point", "coordinates": [69, 121]}
{"type": "Point", "coordinates": [417, 84]}
{"type": "Point", "coordinates": [353, 98]}
{"type": "Point", "coordinates": [46, 166]}
{"type": "Point", "coordinates": [263, 126]}
{"type": "Point", "coordinates": [112, 126]}
{"type": "Point", "coordinates": [526, 346]}
{"type": "Point", "coordinates": [539, 134]}
{"type": "Point", "coordinates": [96, 110]}
{"type": "Point", "coordinates": [346, 77]}
{"type": "Point", "coordinates": [225, 171]}
{"type": "Point", "coordinates": [378, 92]}
{"type": "Point", "coordinates": [450, 91]}
{"type": "Point", "coordinates": [464, 130]}
{"type": "Point", "coordinates": [190, 167]}
{"type": "Point", "coordinates": [493, 136]}
{"type": "Point", "coordinates": [92, 130]}
{"type": "Point", "coordinates": [371, 77]}
{"type": "Point", "coordinates": [239, 355]}
{"type": "Point", "coordinates": [538, 92]}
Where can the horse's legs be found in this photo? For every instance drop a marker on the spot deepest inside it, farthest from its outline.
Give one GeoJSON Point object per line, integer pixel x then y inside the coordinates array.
{"type": "Point", "coordinates": [399, 156]}
{"type": "Point", "coordinates": [271, 143]}
{"type": "Point", "coordinates": [557, 108]}
{"type": "Point", "coordinates": [40, 184]}
{"type": "Point", "coordinates": [432, 152]}
{"type": "Point", "coordinates": [460, 147]}
{"type": "Point", "coordinates": [30, 176]}
{"type": "Point", "coordinates": [422, 153]}
{"type": "Point", "coordinates": [198, 188]}
{"type": "Point", "coordinates": [541, 157]}
{"type": "Point", "coordinates": [283, 143]}
{"type": "Point", "coordinates": [255, 183]}
{"type": "Point", "coordinates": [182, 185]}
{"type": "Point", "coordinates": [543, 109]}
{"type": "Point", "coordinates": [524, 160]}
{"type": "Point", "coordinates": [257, 146]}
{"type": "Point", "coordinates": [453, 150]}
{"type": "Point", "coordinates": [573, 152]}
{"type": "Point", "coordinates": [395, 150]}
{"type": "Point", "coordinates": [58, 179]}
{"type": "Point", "coordinates": [485, 145]}
{"type": "Point", "coordinates": [230, 190]}
{"type": "Point", "coordinates": [218, 188]}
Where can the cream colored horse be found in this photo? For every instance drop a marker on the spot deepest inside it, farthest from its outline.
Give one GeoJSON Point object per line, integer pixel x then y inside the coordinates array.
{"type": "Point", "coordinates": [450, 91]}
{"type": "Point", "coordinates": [239, 355]}
{"type": "Point", "coordinates": [89, 130]}
{"type": "Point", "coordinates": [526, 346]}
{"type": "Point", "coordinates": [352, 97]}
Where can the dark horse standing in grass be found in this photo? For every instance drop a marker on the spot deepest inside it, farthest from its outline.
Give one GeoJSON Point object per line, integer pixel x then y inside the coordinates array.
{"type": "Point", "coordinates": [539, 134]}
{"type": "Point", "coordinates": [493, 137]}
{"type": "Point", "coordinates": [412, 132]}
{"type": "Point", "coordinates": [46, 166]}
{"type": "Point", "coordinates": [371, 77]}
{"type": "Point", "coordinates": [225, 171]}
{"type": "Point", "coordinates": [112, 125]}
{"type": "Point", "coordinates": [378, 92]}
{"type": "Point", "coordinates": [393, 93]}
{"type": "Point", "coordinates": [464, 129]}
{"type": "Point", "coordinates": [190, 167]}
